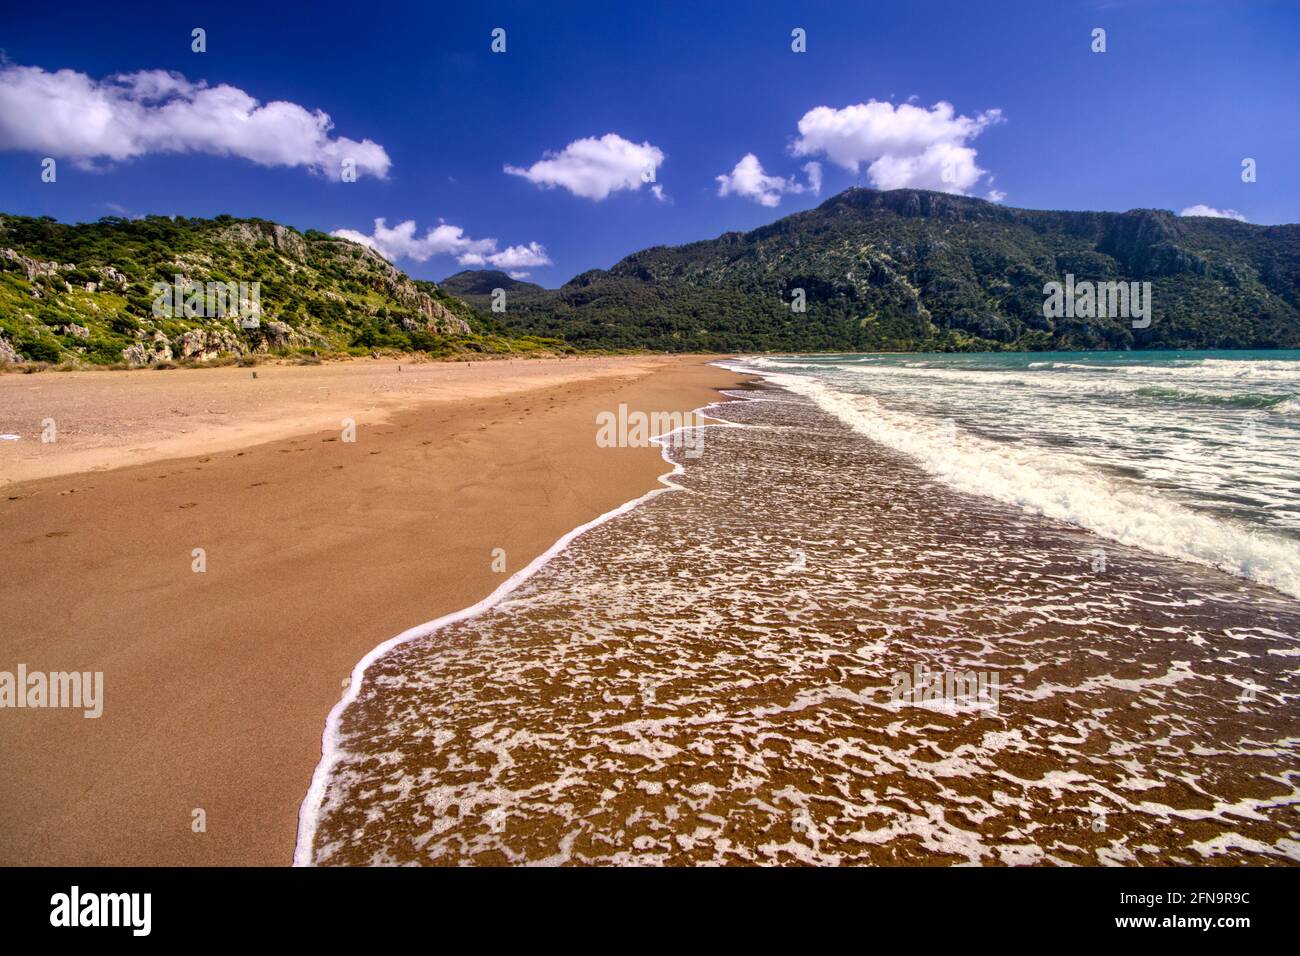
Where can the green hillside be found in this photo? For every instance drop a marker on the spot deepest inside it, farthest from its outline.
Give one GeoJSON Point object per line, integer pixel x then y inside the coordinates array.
{"type": "Point", "coordinates": [86, 294]}
{"type": "Point", "coordinates": [898, 270]}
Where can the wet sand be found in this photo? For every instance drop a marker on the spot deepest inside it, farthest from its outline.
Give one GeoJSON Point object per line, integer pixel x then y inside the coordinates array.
{"type": "Point", "coordinates": [217, 684]}
{"type": "Point", "coordinates": [710, 679]}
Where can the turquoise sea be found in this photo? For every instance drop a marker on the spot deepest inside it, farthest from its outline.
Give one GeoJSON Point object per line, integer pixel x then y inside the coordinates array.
{"type": "Point", "coordinates": [1194, 455]}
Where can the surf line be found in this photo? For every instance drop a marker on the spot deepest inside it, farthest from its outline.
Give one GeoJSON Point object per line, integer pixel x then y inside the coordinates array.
{"type": "Point", "coordinates": [332, 753]}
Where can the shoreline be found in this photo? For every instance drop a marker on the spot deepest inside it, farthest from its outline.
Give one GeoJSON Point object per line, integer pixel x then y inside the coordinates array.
{"type": "Point", "coordinates": [221, 696]}
{"type": "Point", "coordinates": [751, 719]}
{"type": "Point", "coordinates": [309, 814]}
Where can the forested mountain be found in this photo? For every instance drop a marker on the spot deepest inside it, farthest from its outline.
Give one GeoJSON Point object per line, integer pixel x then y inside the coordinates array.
{"type": "Point", "coordinates": [900, 270]}
{"type": "Point", "coordinates": [917, 270]}
{"type": "Point", "coordinates": [481, 283]}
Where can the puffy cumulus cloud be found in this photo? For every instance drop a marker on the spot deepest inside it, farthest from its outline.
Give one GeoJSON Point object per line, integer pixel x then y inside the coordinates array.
{"type": "Point", "coordinates": [401, 242]}
{"type": "Point", "coordinates": [594, 168]}
{"type": "Point", "coordinates": [749, 180]}
{"type": "Point", "coordinates": [514, 258]}
{"type": "Point", "coordinates": [69, 114]}
{"type": "Point", "coordinates": [903, 146]}
{"type": "Point", "coordinates": [1200, 209]}
{"type": "Point", "coordinates": [444, 239]}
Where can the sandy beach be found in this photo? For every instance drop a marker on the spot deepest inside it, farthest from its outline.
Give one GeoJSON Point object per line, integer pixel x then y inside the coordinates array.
{"type": "Point", "coordinates": [217, 684]}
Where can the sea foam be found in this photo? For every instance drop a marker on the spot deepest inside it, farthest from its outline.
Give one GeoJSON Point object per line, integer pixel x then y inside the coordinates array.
{"type": "Point", "coordinates": [1058, 487]}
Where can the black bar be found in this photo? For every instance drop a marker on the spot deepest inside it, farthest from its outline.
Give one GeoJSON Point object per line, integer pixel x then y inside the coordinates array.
{"type": "Point", "coordinates": [943, 906]}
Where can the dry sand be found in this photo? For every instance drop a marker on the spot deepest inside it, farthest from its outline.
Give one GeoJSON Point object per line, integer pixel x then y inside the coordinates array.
{"type": "Point", "coordinates": [217, 683]}
{"type": "Point", "coordinates": [105, 419]}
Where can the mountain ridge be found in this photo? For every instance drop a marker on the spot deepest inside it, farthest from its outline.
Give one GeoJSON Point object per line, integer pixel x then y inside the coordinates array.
{"type": "Point", "coordinates": [906, 270]}
{"type": "Point", "coordinates": [917, 270]}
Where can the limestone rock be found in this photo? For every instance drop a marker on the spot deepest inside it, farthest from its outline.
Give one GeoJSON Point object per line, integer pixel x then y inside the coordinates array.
{"type": "Point", "coordinates": [281, 238]}
{"type": "Point", "coordinates": [8, 355]}
{"type": "Point", "coordinates": [203, 344]}
{"type": "Point", "coordinates": [112, 279]}
{"type": "Point", "coordinates": [281, 336]}
{"type": "Point", "coordinates": [156, 349]}
{"type": "Point", "coordinates": [399, 286]}
{"type": "Point", "coordinates": [33, 268]}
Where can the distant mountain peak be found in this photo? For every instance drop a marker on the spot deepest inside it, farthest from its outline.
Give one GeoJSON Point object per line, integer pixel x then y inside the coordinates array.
{"type": "Point", "coordinates": [915, 269]}
{"type": "Point", "coordinates": [481, 282]}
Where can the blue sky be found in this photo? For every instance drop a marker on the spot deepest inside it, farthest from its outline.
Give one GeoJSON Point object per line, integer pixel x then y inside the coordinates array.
{"type": "Point", "coordinates": [1162, 119]}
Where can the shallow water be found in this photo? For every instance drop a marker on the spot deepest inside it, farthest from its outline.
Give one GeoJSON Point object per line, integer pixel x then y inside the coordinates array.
{"type": "Point", "coordinates": [707, 679]}
{"type": "Point", "coordinates": [1195, 455]}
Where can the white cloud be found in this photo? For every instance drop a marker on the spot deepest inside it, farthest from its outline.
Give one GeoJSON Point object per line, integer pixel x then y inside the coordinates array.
{"type": "Point", "coordinates": [749, 180]}
{"type": "Point", "coordinates": [1202, 210]}
{"type": "Point", "coordinates": [444, 239]}
{"type": "Point", "coordinates": [69, 114]}
{"type": "Point", "coordinates": [594, 168]}
{"type": "Point", "coordinates": [814, 171]}
{"type": "Point", "coordinates": [530, 256]}
{"type": "Point", "coordinates": [996, 195]}
{"type": "Point", "coordinates": [904, 146]}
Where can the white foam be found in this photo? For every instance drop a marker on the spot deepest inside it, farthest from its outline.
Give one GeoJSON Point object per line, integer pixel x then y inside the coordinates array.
{"type": "Point", "coordinates": [309, 813]}
{"type": "Point", "coordinates": [1060, 487]}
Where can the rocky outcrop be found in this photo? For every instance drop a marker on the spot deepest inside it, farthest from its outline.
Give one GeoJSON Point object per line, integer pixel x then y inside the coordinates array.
{"type": "Point", "coordinates": [76, 331]}
{"type": "Point", "coordinates": [155, 349]}
{"type": "Point", "coordinates": [203, 344]}
{"type": "Point", "coordinates": [8, 355]}
{"type": "Point", "coordinates": [281, 238]}
{"type": "Point", "coordinates": [397, 285]}
{"type": "Point", "coordinates": [278, 335]}
{"type": "Point", "coordinates": [113, 279]}
{"type": "Point", "coordinates": [1148, 243]}
{"type": "Point", "coordinates": [209, 343]}
{"type": "Point", "coordinates": [33, 268]}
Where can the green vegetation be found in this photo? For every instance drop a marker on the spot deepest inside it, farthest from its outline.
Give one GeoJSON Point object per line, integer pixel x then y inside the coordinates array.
{"type": "Point", "coordinates": [899, 270]}
{"type": "Point", "coordinates": [915, 270]}
{"type": "Point", "coordinates": [85, 294]}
